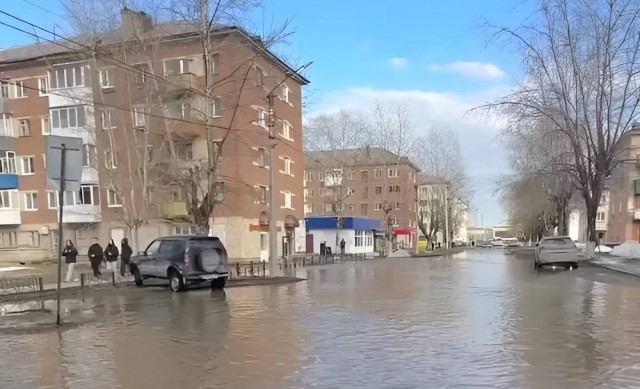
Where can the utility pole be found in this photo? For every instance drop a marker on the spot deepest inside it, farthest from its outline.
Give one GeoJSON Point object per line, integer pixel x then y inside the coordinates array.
{"type": "Point", "coordinates": [446, 216]}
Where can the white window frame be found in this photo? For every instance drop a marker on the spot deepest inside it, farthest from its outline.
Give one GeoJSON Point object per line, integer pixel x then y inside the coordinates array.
{"type": "Point", "coordinates": [308, 208]}
{"type": "Point", "coordinates": [184, 66]}
{"type": "Point", "coordinates": [286, 130]}
{"type": "Point", "coordinates": [34, 201]}
{"type": "Point", "coordinates": [139, 116]}
{"type": "Point", "coordinates": [107, 77]}
{"type": "Point", "coordinates": [8, 163]}
{"type": "Point", "coordinates": [69, 75]}
{"type": "Point", "coordinates": [262, 117]}
{"type": "Point", "coordinates": [351, 191]}
{"type": "Point", "coordinates": [259, 152]}
{"type": "Point", "coordinates": [392, 173]}
{"type": "Point", "coordinates": [7, 125]}
{"type": "Point", "coordinates": [113, 199]}
{"type": "Point", "coordinates": [22, 165]}
{"type": "Point", "coordinates": [106, 119]}
{"type": "Point", "coordinates": [70, 110]}
{"type": "Point", "coordinates": [288, 198]}
{"type": "Point", "coordinates": [19, 86]}
{"type": "Point", "coordinates": [260, 189]}
{"type": "Point", "coordinates": [287, 166]}
{"type": "Point", "coordinates": [43, 91]}
{"type": "Point", "coordinates": [110, 159]}
{"type": "Point", "coordinates": [216, 109]}
{"type": "Point", "coordinates": [53, 195]}
{"type": "Point", "coordinates": [285, 93]}
{"type": "Point", "coordinates": [94, 192]}
{"type": "Point", "coordinates": [45, 126]}
{"type": "Point", "coordinates": [27, 126]}
{"type": "Point", "coordinates": [10, 197]}
{"type": "Point", "coordinates": [377, 206]}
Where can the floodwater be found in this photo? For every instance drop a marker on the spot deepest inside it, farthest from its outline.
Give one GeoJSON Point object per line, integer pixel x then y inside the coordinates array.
{"type": "Point", "coordinates": [478, 319]}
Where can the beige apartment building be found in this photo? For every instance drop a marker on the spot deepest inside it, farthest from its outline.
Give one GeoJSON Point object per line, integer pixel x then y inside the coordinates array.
{"type": "Point", "coordinates": [137, 101]}
{"type": "Point", "coordinates": [369, 182]}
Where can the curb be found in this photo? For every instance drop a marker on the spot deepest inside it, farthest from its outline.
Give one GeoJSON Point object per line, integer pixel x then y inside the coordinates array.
{"type": "Point", "coordinates": [614, 268]}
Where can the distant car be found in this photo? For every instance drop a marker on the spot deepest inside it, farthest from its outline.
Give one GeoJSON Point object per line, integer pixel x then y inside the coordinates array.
{"type": "Point", "coordinates": [556, 250]}
{"type": "Point", "coordinates": [497, 242]}
{"type": "Point", "coordinates": [183, 260]}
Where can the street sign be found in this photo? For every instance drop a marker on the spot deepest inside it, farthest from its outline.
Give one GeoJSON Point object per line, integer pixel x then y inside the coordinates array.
{"type": "Point", "coordinates": [73, 162]}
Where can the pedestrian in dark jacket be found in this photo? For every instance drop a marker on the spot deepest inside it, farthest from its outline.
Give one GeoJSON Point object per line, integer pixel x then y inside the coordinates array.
{"type": "Point", "coordinates": [111, 253]}
{"type": "Point", "coordinates": [70, 253]}
{"type": "Point", "coordinates": [125, 256]}
{"type": "Point", "coordinates": [96, 255]}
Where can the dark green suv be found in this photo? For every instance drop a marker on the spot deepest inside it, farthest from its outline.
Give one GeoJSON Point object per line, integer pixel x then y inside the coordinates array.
{"type": "Point", "coordinates": [183, 260]}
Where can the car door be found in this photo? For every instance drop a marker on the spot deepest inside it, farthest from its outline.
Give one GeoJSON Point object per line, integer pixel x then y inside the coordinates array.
{"type": "Point", "coordinates": [147, 265]}
{"type": "Point", "coordinates": [171, 251]}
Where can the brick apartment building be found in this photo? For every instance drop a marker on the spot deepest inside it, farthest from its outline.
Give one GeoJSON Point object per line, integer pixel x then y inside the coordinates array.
{"type": "Point", "coordinates": [370, 182]}
{"type": "Point", "coordinates": [137, 103]}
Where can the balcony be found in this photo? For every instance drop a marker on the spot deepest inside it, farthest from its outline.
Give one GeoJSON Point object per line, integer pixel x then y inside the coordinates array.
{"type": "Point", "coordinates": [181, 85]}
{"type": "Point", "coordinates": [8, 181]}
{"type": "Point", "coordinates": [9, 216]}
{"type": "Point", "coordinates": [174, 210]}
{"type": "Point", "coordinates": [5, 105]}
{"type": "Point", "coordinates": [82, 213]}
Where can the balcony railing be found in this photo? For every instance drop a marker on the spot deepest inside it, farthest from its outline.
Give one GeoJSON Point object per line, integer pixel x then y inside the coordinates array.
{"type": "Point", "coordinates": [180, 85]}
{"type": "Point", "coordinates": [174, 209]}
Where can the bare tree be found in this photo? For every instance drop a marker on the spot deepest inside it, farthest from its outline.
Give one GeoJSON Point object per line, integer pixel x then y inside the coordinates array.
{"type": "Point", "coordinates": [581, 61]}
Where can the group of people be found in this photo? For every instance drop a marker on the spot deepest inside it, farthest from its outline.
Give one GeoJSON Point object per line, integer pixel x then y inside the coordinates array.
{"type": "Point", "coordinates": [97, 256]}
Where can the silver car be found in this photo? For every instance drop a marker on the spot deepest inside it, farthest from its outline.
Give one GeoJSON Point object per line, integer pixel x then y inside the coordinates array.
{"type": "Point", "coordinates": [556, 250]}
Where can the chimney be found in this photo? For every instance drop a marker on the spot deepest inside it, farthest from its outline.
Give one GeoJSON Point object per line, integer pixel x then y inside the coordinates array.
{"type": "Point", "coordinates": [134, 23]}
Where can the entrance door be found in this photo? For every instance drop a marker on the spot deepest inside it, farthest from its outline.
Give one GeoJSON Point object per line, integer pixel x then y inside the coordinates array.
{"type": "Point", "coordinates": [117, 234]}
{"type": "Point", "coordinates": [309, 244]}
{"type": "Point", "coordinates": [264, 246]}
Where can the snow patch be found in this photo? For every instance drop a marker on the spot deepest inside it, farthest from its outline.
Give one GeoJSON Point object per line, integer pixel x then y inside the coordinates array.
{"type": "Point", "coordinates": [629, 249]}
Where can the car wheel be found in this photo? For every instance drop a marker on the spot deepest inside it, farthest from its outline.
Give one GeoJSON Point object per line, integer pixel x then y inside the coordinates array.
{"type": "Point", "coordinates": [176, 283]}
{"type": "Point", "coordinates": [218, 283]}
{"type": "Point", "coordinates": [136, 276]}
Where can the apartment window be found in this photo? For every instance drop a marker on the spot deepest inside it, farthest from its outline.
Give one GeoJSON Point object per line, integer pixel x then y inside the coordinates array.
{"type": "Point", "coordinates": [113, 200]}
{"type": "Point", "coordinates": [88, 195]}
{"type": "Point", "coordinates": [67, 76]}
{"type": "Point", "coordinates": [308, 177]}
{"type": "Point", "coordinates": [219, 191]}
{"type": "Point", "coordinates": [30, 201]}
{"type": "Point", "coordinates": [259, 156]}
{"type": "Point", "coordinates": [378, 189]}
{"type": "Point", "coordinates": [364, 209]}
{"type": "Point", "coordinates": [184, 151]}
{"type": "Point", "coordinates": [364, 175]}
{"type": "Point", "coordinates": [52, 199]}
{"type": "Point", "coordinates": [106, 118]}
{"type": "Point", "coordinates": [287, 165]}
{"type": "Point", "coordinates": [6, 125]}
{"type": "Point", "coordinates": [394, 189]}
{"type": "Point", "coordinates": [365, 192]}
{"type": "Point", "coordinates": [110, 159]}
{"type": "Point", "coordinates": [19, 90]}
{"type": "Point", "coordinates": [308, 208]}
{"type": "Point", "coordinates": [24, 129]}
{"type": "Point", "coordinates": [378, 173]}
{"type": "Point", "coordinates": [359, 235]}
{"type": "Point", "coordinates": [216, 108]}
{"type": "Point", "coordinates": [68, 117]}
{"type": "Point", "coordinates": [139, 116]}
{"type": "Point", "coordinates": [286, 130]}
{"type": "Point", "coordinates": [285, 93]}
{"type": "Point", "coordinates": [392, 173]}
{"type": "Point", "coordinates": [7, 162]}
{"type": "Point", "coordinates": [8, 199]}
{"type": "Point", "coordinates": [43, 86]}
{"type": "Point", "coordinates": [287, 200]}
{"type": "Point", "coordinates": [107, 78]}
{"type": "Point", "coordinates": [350, 176]}
{"type": "Point", "coordinates": [177, 110]}
{"type": "Point", "coordinates": [89, 156]}
{"type": "Point", "coordinates": [4, 89]}
{"type": "Point", "coordinates": [46, 128]}
{"type": "Point", "coordinates": [176, 66]}
{"type": "Point", "coordinates": [261, 194]}
{"type": "Point", "coordinates": [259, 77]}
{"type": "Point", "coordinates": [394, 222]}
{"type": "Point", "coordinates": [27, 164]}
{"type": "Point", "coordinates": [600, 216]}
{"type": "Point", "coordinates": [185, 230]}
{"type": "Point", "coordinates": [396, 206]}
{"type": "Point", "coordinates": [351, 191]}
{"type": "Point", "coordinates": [321, 176]}
{"type": "Point", "coordinates": [262, 118]}
{"type": "Point", "coordinates": [377, 207]}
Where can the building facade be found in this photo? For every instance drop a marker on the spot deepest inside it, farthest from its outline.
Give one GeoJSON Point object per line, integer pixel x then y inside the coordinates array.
{"type": "Point", "coordinates": [372, 183]}
{"type": "Point", "coordinates": [151, 134]}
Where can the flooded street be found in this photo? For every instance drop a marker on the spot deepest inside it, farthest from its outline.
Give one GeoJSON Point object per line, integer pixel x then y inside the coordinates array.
{"type": "Point", "coordinates": [478, 319]}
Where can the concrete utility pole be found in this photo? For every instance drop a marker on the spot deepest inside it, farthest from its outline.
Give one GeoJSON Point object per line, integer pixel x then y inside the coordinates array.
{"type": "Point", "coordinates": [446, 216]}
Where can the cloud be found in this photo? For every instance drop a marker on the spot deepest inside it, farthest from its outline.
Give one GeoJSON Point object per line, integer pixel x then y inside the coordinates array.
{"type": "Point", "coordinates": [477, 70]}
{"type": "Point", "coordinates": [398, 63]}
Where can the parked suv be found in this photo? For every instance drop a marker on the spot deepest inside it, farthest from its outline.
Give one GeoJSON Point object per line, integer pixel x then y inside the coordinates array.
{"type": "Point", "coordinates": [183, 260]}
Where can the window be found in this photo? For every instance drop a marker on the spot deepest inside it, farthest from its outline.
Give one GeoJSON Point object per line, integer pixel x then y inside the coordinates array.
{"type": "Point", "coordinates": [24, 129]}
{"type": "Point", "coordinates": [4, 89]}
{"type": "Point", "coordinates": [139, 116]}
{"type": "Point", "coordinates": [178, 110]}
{"type": "Point", "coordinates": [394, 221]}
{"type": "Point", "coordinates": [30, 201]}
{"type": "Point", "coordinates": [285, 93]}
{"type": "Point", "coordinates": [141, 72]}
{"type": "Point", "coordinates": [153, 247]}
{"type": "Point", "coordinates": [113, 200]}
{"type": "Point", "coordinates": [308, 208]}
{"type": "Point", "coordinates": [107, 78]}
{"type": "Point", "coordinates": [287, 165]}
{"type": "Point", "coordinates": [287, 199]}
{"type": "Point", "coordinates": [600, 216]}
{"type": "Point", "coordinates": [286, 130]}
{"type": "Point", "coordinates": [396, 206]}
{"type": "Point", "coordinates": [262, 118]}
{"type": "Point", "coordinates": [259, 157]}
{"type": "Point", "coordinates": [351, 191]}
{"type": "Point", "coordinates": [309, 177]}
{"type": "Point", "coordinates": [173, 67]}
{"type": "Point", "coordinates": [43, 86]}
{"type": "Point", "coordinates": [364, 209]}
{"type": "Point", "coordinates": [46, 129]}
{"type": "Point", "coordinates": [359, 241]}
{"type": "Point", "coordinates": [350, 176]}
{"type": "Point", "coordinates": [88, 195]}
{"type": "Point", "coordinates": [394, 189]}
{"type": "Point", "coordinates": [321, 176]}
{"type": "Point", "coordinates": [378, 173]}
{"type": "Point", "coordinates": [89, 156]}
{"type": "Point", "coordinates": [378, 189]}
{"type": "Point", "coordinates": [7, 162]}
{"type": "Point", "coordinates": [110, 159]}
{"type": "Point", "coordinates": [106, 118]}
{"type": "Point", "coordinates": [377, 207]}
{"type": "Point", "coordinates": [27, 165]}
{"type": "Point", "coordinates": [8, 199]}
{"type": "Point", "coordinates": [52, 199]}
{"type": "Point", "coordinates": [219, 191]}
{"type": "Point", "coordinates": [6, 125]}
{"type": "Point", "coordinates": [259, 77]}
{"type": "Point", "coordinates": [20, 91]}
{"type": "Point", "coordinates": [185, 230]}
{"type": "Point", "coordinates": [68, 76]}
{"type": "Point", "coordinates": [68, 117]}
{"type": "Point", "coordinates": [392, 173]}
{"type": "Point", "coordinates": [216, 109]}
{"type": "Point", "coordinates": [261, 194]}
{"type": "Point", "coordinates": [184, 151]}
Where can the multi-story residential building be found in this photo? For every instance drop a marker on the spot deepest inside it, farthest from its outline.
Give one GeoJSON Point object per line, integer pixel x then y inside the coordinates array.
{"type": "Point", "coordinates": [369, 182]}
{"type": "Point", "coordinates": [151, 133]}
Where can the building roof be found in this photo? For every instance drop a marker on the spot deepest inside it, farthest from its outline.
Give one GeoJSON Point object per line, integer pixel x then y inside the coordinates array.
{"type": "Point", "coordinates": [173, 30]}
{"type": "Point", "coordinates": [426, 179]}
{"type": "Point", "coordinates": [354, 157]}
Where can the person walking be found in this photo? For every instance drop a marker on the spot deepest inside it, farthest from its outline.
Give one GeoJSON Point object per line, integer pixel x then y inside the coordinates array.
{"type": "Point", "coordinates": [96, 255]}
{"type": "Point", "coordinates": [342, 246]}
{"type": "Point", "coordinates": [111, 253]}
{"type": "Point", "coordinates": [125, 256]}
{"type": "Point", "coordinates": [70, 254]}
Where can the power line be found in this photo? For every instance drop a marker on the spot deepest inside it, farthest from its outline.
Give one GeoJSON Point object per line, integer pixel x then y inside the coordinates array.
{"type": "Point", "coordinates": [42, 8]}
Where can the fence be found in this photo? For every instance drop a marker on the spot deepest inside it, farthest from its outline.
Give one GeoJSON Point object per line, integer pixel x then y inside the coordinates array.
{"type": "Point", "coordinates": [88, 279]}
{"type": "Point", "coordinates": [261, 269]}
{"type": "Point", "coordinates": [11, 285]}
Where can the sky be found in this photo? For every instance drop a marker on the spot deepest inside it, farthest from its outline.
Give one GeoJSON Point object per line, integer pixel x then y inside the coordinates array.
{"type": "Point", "coordinates": [433, 55]}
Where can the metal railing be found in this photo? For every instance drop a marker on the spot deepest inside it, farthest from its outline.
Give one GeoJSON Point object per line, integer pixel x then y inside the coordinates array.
{"type": "Point", "coordinates": [12, 285]}
{"type": "Point", "coordinates": [88, 279]}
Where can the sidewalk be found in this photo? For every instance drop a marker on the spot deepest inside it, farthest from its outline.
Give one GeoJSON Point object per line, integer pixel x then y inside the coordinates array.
{"type": "Point", "coordinates": [441, 252]}
{"type": "Point", "coordinates": [619, 264]}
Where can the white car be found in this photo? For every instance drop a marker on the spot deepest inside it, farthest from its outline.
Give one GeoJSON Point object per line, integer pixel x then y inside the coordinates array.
{"type": "Point", "coordinates": [556, 250]}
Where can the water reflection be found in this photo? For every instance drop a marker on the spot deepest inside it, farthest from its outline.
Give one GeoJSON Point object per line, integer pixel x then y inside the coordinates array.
{"type": "Point", "coordinates": [477, 319]}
